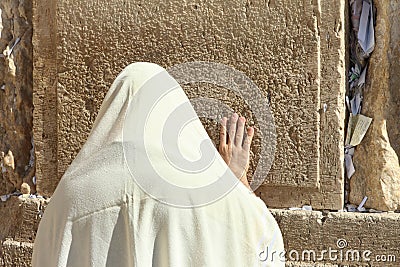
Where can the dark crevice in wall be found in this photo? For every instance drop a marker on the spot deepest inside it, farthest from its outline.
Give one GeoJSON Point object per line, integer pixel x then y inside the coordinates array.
{"type": "Point", "coordinates": [16, 105]}
{"type": "Point", "coordinates": [357, 66]}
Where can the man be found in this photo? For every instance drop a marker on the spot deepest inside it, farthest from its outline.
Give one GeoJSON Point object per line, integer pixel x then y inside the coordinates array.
{"type": "Point", "coordinates": [147, 189]}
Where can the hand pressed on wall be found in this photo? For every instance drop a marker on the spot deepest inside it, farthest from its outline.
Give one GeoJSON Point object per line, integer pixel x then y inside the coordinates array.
{"type": "Point", "coordinates": [234, 150]}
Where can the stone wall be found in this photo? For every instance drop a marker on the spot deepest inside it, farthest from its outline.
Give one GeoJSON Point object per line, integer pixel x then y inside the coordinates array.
{"type": "Point", "coordinates": [44, 95]}
{"type": "Point", "coordinates": [293, 51]}
{"type": "Point", "coordinates": [376, 159]}
{"type": "Point", "coordinates": [1, 23]}
{"type": "Point", "coordinates": [16, 95]}
{"type": "Point", "coordinates": [345, 234]}
{"type": "Point", "coordinates": [19, 220]}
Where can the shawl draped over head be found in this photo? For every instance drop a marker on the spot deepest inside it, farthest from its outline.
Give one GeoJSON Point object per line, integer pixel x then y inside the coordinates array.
{"type": "Point", "coordinates": [149, 190]}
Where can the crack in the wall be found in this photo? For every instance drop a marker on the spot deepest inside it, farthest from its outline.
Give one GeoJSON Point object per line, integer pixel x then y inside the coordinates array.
{"type": "Point", "coordinates": [16, 103]}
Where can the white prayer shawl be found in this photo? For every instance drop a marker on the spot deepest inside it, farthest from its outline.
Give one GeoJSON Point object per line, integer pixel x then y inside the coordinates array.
{"type": "Point", "coordinates": [102, 214]}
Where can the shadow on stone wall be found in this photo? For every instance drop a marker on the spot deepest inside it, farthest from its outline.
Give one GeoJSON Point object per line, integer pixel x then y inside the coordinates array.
{"type": "Point", "coordinates": [16, 104]}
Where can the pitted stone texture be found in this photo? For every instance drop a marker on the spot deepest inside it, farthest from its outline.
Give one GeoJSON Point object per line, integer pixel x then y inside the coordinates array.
{"type": "Point", "coordinates": [306, 231]}
{"type": "Point", "coordinates": [19, 219]}
{"type": "Point", "coordinates": [293, 51]}
{"type": "Point", "coordinates": [15, 254]}
{"type": "Point", "coordinates": [284, 65]}
{"type": "Point", "coordinates": [44, 95]}
{"type": "Point", "coordinates": [16, 93]}
{"type": "Point", "coordinates": [329, 194]}
{"type": "Point", "coordinates": [376, 159]}
{"type": "Point", "coordinates": [302, 231]}
{"type": "Point", "coordinates": [1, 23]}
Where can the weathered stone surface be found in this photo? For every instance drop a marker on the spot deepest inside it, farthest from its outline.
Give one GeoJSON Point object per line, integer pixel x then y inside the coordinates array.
{"type": "Point", "coordinates": [305, 231]}
{"type": "Point", "coordinates": [16, 93]}
{"type": "Point", "coordinates": [293, 51]}
{"type": "Point", "coordinates": [1, 23]}
{"type": "Point", "coordinates": [44, 95]}
{"type": "Point", "coordinates": [19, 219]}
{"type": "Point", "coordinates": [376, 158]}
{"type": "Point", "coordinates": [15, 254]}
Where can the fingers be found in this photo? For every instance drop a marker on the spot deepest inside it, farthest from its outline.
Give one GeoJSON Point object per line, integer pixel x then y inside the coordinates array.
{"type": "Point", "coordinates": [247, 141]}
{"type": "Point", "coordinates": [232, 129]}
{"type": "Point", "coordinates": [240, 131]}
{"type": "Point", "coordinates": [222, 133]}
{"type": "Point", "coordinates": [236, 132]}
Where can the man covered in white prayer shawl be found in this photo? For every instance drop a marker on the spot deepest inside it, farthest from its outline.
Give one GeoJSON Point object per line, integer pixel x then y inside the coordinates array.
{"type": "Point", "coordinates": [145, 190]}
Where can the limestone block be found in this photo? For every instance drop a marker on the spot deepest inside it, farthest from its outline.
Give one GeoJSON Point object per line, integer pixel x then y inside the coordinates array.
{"type": "Point", "coordinates": [350, 234]}
{"type": "Point", "coordinates": [1, 23]}
{"type": "Point", "coordinates": [376, 158]}
{"type": "Point", "coordinates": [292, 50]}
{"type": "Point", "coordinates": [19, 219]}
{"type": "Point", "coordinates": [44, 95]}
{"type": "Point", "coordinates": [16, 254]}
{"type": "Point", "coordinates": [16, 93]}
{"type": "Point", "coordinates": [303, 231]}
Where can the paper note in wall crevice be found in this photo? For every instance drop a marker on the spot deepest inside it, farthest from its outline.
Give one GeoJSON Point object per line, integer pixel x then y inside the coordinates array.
{"type": "Point", "coordinates": [366, 31]}
{"type": "Point", "coordinates": [348, 103]}
{"type": "Point", "coordinates": [350, 129]}
{"type": "Point", "coordinates": [361, 206]}
{"type": "Point", "coordinates": [350, 151]}
{"type": "Point", "coordinates": [361, 79]}
{"type": "Point", "coordinates": [350, 170]}
{"type": "Point", "coordinates": [361, 127]}
{"type": "Point", "coordinates": [355, 104]}
{"type": "Point", "coordinates": [357, 128]}
{"type": "Point", "coordinates": [4, 197]}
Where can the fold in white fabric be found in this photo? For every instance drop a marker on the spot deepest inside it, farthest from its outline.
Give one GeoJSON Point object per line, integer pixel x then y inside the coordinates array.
{"type": "Point", "coordinates": [149, 190]}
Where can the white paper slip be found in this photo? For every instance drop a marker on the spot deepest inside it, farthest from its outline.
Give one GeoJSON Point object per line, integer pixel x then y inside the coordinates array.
{"type": "Point", "coordinates": [306, 207]}
{"type": "Point", "coordinates": [361, 126]}
{"type": "Point", "coordinates": [348, 103]}
{"type": "Point", "coordinates": [361, 80]}
{"type": "Point", "coordinates": [356, 104]}
{"type": "Point", "coordinates": [349, 150]}
{"type": "Point", "coordinates": [361, 206]}
{"type": "Point", "coordinates": [366, 32]}
{"type": "Point", "coordinates": [351, 207]}
{"type": "Point", "coordinates": [350, 129]}
{"type": "Point", "coordinates": [4, 198]}
{"type": "Point", "coordinates": [350, 170]}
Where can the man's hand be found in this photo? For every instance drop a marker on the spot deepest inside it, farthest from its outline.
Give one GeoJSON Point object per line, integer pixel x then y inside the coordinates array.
{"type": "Point", "coordinates": [233, 149]}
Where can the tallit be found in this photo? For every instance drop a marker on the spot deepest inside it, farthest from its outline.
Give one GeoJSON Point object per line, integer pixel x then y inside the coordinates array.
{"type": "Point", "coordinates": [111, 209]}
